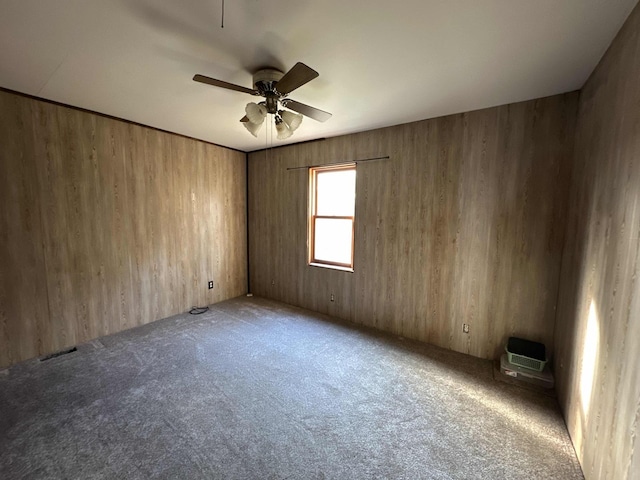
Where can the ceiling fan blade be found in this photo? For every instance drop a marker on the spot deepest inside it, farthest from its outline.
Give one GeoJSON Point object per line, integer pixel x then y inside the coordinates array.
{"type": "Point", "coordinates": [296, 77]}
{"type": "Point", "coordinates": [306, 110]}
{"type": "Point", "coordinates": [227, 85]}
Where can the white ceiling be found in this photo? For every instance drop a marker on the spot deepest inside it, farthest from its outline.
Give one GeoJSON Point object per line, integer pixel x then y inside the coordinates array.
{"type": "Point", "coordinates": [381, 62]}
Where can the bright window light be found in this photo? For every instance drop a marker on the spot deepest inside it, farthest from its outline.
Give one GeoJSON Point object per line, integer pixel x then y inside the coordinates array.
{"type": "Point", "coordinates": [589, 357]}
{"type": "Point", "coordinates": [332, 215]}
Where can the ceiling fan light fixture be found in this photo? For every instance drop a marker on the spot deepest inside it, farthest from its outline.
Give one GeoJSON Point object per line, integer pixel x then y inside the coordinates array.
{"type": "Point", "coordinates": [283, 129]}
{"type": "Point", "coordinates": [253, 128]}
{"type": "Point", "coordinates": [292, 120]}
{"type": "Point", "coordinates": [256, 113]}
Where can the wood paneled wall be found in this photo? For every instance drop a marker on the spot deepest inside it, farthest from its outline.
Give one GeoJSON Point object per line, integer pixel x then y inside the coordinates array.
{"type": "Point", "coordinates": [598, 322]}
{"type": "Point", "coordinates": [106, 225]}
{"type": "Point", "coordinates": [463, 224]}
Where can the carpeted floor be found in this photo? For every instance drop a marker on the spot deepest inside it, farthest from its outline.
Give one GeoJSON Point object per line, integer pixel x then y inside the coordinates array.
{"type": "Point", "coordinates": [260, 390]}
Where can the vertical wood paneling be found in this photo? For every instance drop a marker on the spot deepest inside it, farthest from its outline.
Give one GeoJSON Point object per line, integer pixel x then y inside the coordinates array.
{"type": "Point", "coordinates": [150, 220]}
{"type": "Point", "coordinates": [23, 291]}
{"type": "Point", "coordinates": [81, 185]}
{"type": "Point", "coordinates": [108, 225]}
{"type": "Point", "coordinates": [217, 213]}
{"type": "Point", "coordinates": [225, 183]}
{"type": "Point", "coordinates": [598, 322]}
{"type": "Point", "coordinates": [189, 268]}
{"type": "Point", "coordinates": [462, 225]}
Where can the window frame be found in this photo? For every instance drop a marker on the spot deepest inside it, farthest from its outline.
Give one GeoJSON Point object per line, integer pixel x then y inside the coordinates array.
{"type": "Point", "coordinates": [313, 216]}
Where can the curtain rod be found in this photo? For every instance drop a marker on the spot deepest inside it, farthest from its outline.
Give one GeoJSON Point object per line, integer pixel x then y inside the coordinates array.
{"type": "Point", "coordinates": [340, 163]}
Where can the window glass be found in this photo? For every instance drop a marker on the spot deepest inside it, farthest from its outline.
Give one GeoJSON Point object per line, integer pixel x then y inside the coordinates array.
{"type": "Point", "coordinates": [336, 192]}
{"type": "Point", "coordinates": [333, 240]}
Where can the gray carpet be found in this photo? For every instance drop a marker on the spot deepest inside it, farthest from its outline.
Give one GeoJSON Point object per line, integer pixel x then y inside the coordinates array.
{"type": "Point", "coordinates": [261, 390]}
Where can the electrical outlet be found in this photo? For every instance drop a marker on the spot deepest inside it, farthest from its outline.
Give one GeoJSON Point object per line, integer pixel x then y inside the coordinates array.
{"type": "Point", "coordinates": [333, 297]}
{"type": "Point", "coordinates": [210, 284]}
{"type": "Point", "coordinates": [465, 328]}
{"type": "Point", "coordinates": [273, 282]}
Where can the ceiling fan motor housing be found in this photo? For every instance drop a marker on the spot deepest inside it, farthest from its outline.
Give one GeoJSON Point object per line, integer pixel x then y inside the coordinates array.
{"type": "Point", "coordinates": [264, 81]}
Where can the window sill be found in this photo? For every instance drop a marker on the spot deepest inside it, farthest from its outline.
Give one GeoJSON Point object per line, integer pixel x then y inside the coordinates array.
{"type": "Point", "coordinates": [332, 267]}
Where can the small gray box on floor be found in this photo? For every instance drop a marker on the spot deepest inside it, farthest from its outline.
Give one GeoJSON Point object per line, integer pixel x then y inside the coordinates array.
{"type": "Point", "coordinates": [542, 379]}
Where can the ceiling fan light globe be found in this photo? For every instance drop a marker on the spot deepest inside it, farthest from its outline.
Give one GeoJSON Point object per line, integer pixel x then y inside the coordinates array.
{"type": "Point", "coordinates": [293, 120]}
{"type": "Point", "coordinates": [283, 130]}
{"type": "Point", "coordinates": [253, 128]}
{"type": "Point", "coordinates": [255, 113]}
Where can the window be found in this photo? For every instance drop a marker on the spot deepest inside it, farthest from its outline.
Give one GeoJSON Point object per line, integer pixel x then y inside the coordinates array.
{"type": "Point", "coordinates": [332, 203]}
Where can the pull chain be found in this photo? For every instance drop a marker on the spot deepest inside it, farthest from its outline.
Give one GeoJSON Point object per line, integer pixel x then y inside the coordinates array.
{"type": "Point", "coordinates": [222, 23]}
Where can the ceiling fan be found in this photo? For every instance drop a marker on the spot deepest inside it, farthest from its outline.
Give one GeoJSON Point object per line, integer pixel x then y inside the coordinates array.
{"type": "Point", "coordinates": [274, 86]}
